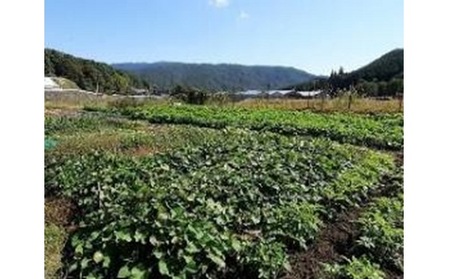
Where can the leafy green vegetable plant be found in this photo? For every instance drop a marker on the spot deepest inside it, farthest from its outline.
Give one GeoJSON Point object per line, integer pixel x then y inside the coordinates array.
{"type": "Point", "coordinates": [232, 205]}
{"type": "Point", "coordinates": [374, 131]}
{"type": "Point", "coordinates": [354, 268]}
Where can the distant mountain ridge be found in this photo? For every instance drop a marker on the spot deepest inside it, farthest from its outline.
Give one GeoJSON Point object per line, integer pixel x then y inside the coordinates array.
{"type": "Point", "coordinates": [215, 77]}
{"type": "Point", "coordinates": [382, 76]}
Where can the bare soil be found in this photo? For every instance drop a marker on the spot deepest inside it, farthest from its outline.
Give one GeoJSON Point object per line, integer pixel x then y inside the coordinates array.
{"type": "Point", "coordinates": [335, 239]}
{"type": "Point", "coordinates": [338, 238]}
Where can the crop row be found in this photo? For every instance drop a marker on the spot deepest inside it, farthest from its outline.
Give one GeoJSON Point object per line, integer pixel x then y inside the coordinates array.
{"type": "Point", "coordinates": [86, 133]}
{"type": "Point", "coordinates": [234, 205]}
{"type": "Point", "coordinates": [382, 231]}
{"type": "Point", "coordinates": [379, 242]}
{"type": "Point", "coordinates": [380, 132]}
{"type": "Point", "coordinates": [85, 123]}
{"type": "Point", "coordinates": [381, 226]}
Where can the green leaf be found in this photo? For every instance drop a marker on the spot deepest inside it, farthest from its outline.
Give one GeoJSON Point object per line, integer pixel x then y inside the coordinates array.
{"type": "Point", "coordinates": [79, 249]}
{"type": "Point", "coordinates": [158, 254]}
{"type": "Point", "coordinates": [165, 167]}
{"type": "Point", "coordinates": [163, 216]}
{"type": "Point", "coordinates": [84, 263]}
{"type": "Point", "coordinates": [191, 248]}
{"type": "Point", "coordinates": [153, 240]}
{"type": "Point", "coordinates": [236, 245]}
{"type": "Point", "coordinates": [94, 235]}
{"type": "Point", "coordinates": [106, 261]}
{"type": "Point", "coordinates": [73, 267]}
{"type": "Point", "coordinates": [188, 259]}
{"type": "Point", "coordinates": [98, 257]}
{"type": "Point", "coordinates": [140, 237]}
{"type": "Point", "coordinates": [191, 267]}
{"type": "Point", "coordinates": [174, 240]}
{"type": "Point", "coordinates": [162, 266]}
{"type": "Point", "coordinates": [217, 260]}
{"type": "Point", "coordinates": [121, 235]}
{"type": "Point", "coordinates": [138, 273]}
{"type": "Point", "coordinates": [124, 272]}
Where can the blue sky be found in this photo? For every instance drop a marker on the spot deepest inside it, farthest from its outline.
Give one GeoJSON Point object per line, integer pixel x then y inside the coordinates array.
{"type": "Point", "coordinates": [312, 35]}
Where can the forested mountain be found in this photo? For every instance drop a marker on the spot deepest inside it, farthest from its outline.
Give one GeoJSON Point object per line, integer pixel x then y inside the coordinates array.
{"type": "Point", "coordinates": [88, 74]}
{"type": "Point", "coordinates": [385, 68]}
{"type": "Point", "coordinates": [381, 77]}
{"type": "Point", "coordinates": [215, 77]}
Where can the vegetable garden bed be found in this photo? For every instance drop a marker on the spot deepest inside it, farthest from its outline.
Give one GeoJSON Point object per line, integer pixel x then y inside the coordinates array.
{"type": "Point", "coordinates": [235, 205]}
{"type": "Point", "coordinates": [378, 131]}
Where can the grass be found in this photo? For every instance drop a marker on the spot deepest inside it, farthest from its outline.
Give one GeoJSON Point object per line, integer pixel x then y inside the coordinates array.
{"type": "Point", "coordinates": [56, 125]}
{"type": "Point", "coordinates": [58, 214]}
{"type": "Point", "coordinates": [65, 83]}
{"type": "Point", "coordinates": [155, 139]}
{"type": "Point", "coordinates": [55, 238]}
{"type": "Point", "coordinates": [359, 105]}
{"type": "Point", "coordinates": [111, 141]}
{"type": "Point", "coordinates": [85, 133]}
{"type": "Point", "coordinates": [74, 100]}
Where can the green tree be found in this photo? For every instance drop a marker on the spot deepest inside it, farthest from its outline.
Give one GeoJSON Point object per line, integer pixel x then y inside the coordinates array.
{"type": "Point", "coordinates": [189, 95]}
{"type": "Point", "coordinates": [394, 87]}
{"type": "Point", "coordinates": [366, 88]}
{"type": "Point", "coordinates": [88, 74]}
{"type": "Point", "coordinates": [382, 88]}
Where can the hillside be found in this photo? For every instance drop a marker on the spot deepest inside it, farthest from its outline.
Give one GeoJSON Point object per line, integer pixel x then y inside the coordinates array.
{"type": "Point", "coordinates": [385, 68]}
{"type": "Point", "coordinates": [89, 74]}
{"type": "Point", "coordinates": [215, 76]}
{"type": "Point", "coordinates": [381, 77]}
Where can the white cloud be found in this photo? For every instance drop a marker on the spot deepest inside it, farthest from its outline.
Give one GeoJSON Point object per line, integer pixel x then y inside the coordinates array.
{"type": "Point", "coordinates": [219, 3]}
{"type": "Point", "coordinates": [243, 15]}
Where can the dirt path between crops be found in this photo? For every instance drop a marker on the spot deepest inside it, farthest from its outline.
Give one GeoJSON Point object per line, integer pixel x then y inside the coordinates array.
{"type": "Point", "coordinates": [333, 241]}
{"type": "Point", "coordinates": [337, 239]}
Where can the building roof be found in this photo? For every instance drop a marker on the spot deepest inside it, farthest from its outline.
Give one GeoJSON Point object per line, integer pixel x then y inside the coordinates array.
{"type": "Point", "coordinates": [249, 92]}
{"type": "Point", "coordinates": [309, 93]}
{"type": "Point", "coordinates": [280, 92]}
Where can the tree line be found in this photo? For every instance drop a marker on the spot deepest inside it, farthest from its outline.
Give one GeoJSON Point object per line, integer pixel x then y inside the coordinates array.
{"type": "Point", "coordinates": [382, 77]}
{"type": "Point", "coordinates": [91, 75]}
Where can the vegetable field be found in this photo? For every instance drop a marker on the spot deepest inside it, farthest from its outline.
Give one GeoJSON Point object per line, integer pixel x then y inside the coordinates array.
{"type": "Point", "coordinates": [208, 192]}
{"type": "Point", "coordinates": [379, 131]}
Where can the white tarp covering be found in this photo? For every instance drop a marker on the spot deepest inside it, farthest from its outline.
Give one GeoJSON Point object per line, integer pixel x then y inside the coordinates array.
{"type": "Point", "coordinates": [50, 84]}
